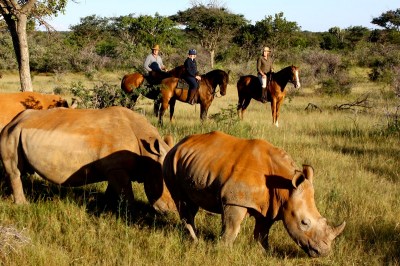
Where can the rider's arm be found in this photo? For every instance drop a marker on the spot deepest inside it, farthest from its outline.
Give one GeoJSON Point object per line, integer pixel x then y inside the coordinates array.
{"type": "Point", "coordinates": [147, 63]}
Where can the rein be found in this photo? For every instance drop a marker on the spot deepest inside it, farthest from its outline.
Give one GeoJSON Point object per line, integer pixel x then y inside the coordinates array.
{"type": "Point", "coordinates": [211, 90]}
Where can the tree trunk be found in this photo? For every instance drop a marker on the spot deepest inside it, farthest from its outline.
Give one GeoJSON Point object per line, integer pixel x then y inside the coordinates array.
{"type": "Point", "coordinates": [16, 23]}
{"type": "Point", "coordinates": [212, 55]}
{"type": "Point", "coordinates": [23, 61]}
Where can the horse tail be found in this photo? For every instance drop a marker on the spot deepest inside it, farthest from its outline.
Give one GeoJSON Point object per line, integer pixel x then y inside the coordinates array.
{"type": "Point", "coordinates": [122, 82]}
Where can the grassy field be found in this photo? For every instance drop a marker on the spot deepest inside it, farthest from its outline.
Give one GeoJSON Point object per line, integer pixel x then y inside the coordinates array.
{"type": "Point", "coordinates": [355, 157]}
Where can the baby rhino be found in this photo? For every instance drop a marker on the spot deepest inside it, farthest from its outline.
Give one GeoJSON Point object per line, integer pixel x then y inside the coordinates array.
{"type": "Point", "coordinates": [234, 177]}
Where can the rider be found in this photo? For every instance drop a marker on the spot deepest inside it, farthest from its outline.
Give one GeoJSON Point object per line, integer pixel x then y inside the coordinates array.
{"type": "Point", "coordinates": [191, 76]}
{"type": "Point", "coordinates": [153, 61]}
{"type": "Point", "coordinates": [264, 70]}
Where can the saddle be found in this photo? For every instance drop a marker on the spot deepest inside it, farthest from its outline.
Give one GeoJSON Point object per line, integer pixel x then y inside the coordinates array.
{"type": "Point", "coordinates": [182, 84]}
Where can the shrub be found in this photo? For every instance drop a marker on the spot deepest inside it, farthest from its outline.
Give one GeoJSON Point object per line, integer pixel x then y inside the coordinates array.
{"type": "Point", "coordinates": [100, 96]}
{"type": "Point", "coordinates": [335, 86]}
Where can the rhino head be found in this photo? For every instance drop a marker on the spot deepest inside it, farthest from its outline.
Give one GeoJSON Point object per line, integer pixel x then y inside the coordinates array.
{"type": "Point", "coordinates": [302, 220]}
{"type": "Point", "coordinates": [153, 152]}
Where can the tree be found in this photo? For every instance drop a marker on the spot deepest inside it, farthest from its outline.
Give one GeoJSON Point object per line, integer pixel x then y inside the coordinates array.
{"type": "Point", "coordinates": [275, 31]}
{"type": "Point", "coordinates": [16, 14]}
{"type": "Point", "coordinates": [145, 30]}
{"type": "Point", "coordinates": [389, 20]}
{"type": "Point", "coordinates": [212, 25]}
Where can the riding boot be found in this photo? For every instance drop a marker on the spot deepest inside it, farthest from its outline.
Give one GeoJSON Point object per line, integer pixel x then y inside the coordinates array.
{"type": "Point", "coordinates": [191, 98]}
{"type": "Point", "coordinates": [264, 95]}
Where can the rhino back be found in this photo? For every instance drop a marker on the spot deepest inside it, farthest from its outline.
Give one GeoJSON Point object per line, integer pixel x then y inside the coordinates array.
{"type": "Point", "coordinates": [217, 168]}
{"type": "Point", "coordinates": [13, 103]}
{"type": "Point", "coordinates": [62, 144]}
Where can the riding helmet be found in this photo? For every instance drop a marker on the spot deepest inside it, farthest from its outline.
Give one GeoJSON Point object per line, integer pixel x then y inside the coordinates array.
{"type": "Point", "coordinates": [192, 52]}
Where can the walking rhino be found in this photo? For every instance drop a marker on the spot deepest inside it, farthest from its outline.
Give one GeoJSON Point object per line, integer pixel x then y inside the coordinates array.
{"type": "Point", "coordinates": [235, 177]}
{"type": "Point", "coordinates": [75, 147]}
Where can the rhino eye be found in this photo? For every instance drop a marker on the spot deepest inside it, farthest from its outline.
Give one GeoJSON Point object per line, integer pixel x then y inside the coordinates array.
{"type": "Point", "coordinates": [305, 224]}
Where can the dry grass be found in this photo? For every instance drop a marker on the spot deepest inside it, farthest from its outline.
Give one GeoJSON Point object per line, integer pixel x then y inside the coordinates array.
{"type": "Point", "coordinates": [357, 179]}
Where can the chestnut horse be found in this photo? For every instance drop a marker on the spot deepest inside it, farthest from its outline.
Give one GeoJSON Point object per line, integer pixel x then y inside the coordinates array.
{"type": "Point", "coordinates": [249, 87]}
{"type": "Point", "coordinates": [205, 94]}
{"type": "Point", "coordinates": [131, 83]}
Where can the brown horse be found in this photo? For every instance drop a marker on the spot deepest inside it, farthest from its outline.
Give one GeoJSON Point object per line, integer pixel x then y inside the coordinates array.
{"type": "Point", "coordinates": [249, 87]}
{"type": "Point", "coordinates": [131, 83]}
{"type": "Point", "coordinates": [205, 94]}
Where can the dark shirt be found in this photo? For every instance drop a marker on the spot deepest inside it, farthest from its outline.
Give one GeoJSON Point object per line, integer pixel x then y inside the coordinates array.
{"type": "Point", "coordinates": [264, 65]}
{"type": "Point", "coordinates": [191, 67]}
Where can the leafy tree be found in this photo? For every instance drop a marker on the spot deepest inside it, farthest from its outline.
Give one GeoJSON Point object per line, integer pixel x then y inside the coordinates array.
{"type": "Point", "coordinates": [276, 32]}
{"type": "Point", "coordinates": [212, 25]}
{"type": "Point", "coordinates": [89, 31]}
{"type": "Point", "coordinates": [389, 20]}
{"type": "Point", "coordinates": [246, 39]}
{"type": "Point", "coordinates": [16, 14]}
{"type": "Point", "coordinates": [356, 34]}
{"type": "Point", "coordinates": [145, 30]}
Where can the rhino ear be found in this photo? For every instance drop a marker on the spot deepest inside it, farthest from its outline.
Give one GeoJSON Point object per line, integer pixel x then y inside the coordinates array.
{"type": "Point", "coordinates": [152, 147]}
{"type": "Point", "coordinates": [308, 172]}
{"type": "Point", "coordinates": [297, 179]}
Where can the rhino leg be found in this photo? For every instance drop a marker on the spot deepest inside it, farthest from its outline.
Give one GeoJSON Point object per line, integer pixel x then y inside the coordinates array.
{"type": "Point", "coordinates": [187, 212]}
{"type": "Point", "coordinates": [232, 217]}
{"type": "Point", "coordinates": [119, 185]}
{"type": "Point", "coordinates": [18, 191]}
{"type": "Point", "coordinates": [261, 230]}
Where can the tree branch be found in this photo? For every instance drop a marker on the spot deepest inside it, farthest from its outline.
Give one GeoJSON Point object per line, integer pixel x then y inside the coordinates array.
{"type": "Point", "coordinates": [362, 102]}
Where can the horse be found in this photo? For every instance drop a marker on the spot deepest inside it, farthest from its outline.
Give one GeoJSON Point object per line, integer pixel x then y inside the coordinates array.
{"type": "Point", "coordinates": [170, 92]}
{"type": "Point", "coordinates": [249, 87]}
{"type": "Point", "coordinates": [131, 83]}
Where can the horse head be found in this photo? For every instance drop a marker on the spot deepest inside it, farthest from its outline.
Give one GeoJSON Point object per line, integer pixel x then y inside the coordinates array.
{"type": "Point", "coordinates": [294, 79]}
{"type": "Point", "coordinates": [216, 78]}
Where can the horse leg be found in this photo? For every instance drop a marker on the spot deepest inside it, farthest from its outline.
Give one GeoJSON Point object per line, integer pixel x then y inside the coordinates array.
{"type": "Point", "coordinates": [245, 105]}
{"type": "Point", "coordinates": [156, 107]}
{"type": "Point", "coordinates": [164, 106]}
{"type": "Point", "coordinates": [203, 111]}
{"type": "Point", "coordinates": [278, 107]}
{"type": "Point", "coordinates": [171, 109]}
{"type": "Point", "coordinates": [273, 110]}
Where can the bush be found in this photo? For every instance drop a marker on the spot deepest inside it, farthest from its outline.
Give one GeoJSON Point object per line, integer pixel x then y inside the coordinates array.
{"type": "Point", "coordinates": [338, 86]}
{"type": "Point", "coordinates": [101, 96]}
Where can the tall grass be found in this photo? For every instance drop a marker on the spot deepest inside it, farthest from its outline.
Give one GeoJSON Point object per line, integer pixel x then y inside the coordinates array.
{"type": "Point", "coordinates": [356, 162]}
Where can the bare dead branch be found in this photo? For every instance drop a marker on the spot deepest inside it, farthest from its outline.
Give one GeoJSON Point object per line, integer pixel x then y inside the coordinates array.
{"type": "Point", "coordinates": [361, 102]}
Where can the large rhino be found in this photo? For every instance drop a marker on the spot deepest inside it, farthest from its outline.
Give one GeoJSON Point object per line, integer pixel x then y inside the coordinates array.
{"type": "Point", "coordinates": [224, 174]}
{"type": "Point", "coordinates": [74, 147]}
{"type": "Point", "coordinates": [15, 102]}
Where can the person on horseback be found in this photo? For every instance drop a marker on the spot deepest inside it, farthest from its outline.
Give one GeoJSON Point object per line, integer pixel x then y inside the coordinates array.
{"type": "Point", "coordinates": [153, 64]}
{"type": "Point", "coordinates": [264, 70]}
{"type": "Point", "coordinates": [191, 76]}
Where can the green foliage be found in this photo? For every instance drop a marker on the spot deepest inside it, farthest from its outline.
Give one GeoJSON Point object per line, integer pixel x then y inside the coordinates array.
{"type": "Point", "coordinates": [7, 55]}
{"type": "Point", "coordinates": [145, 30]}
{"type": "Point", "coordinates": [214, 27]}
{"type": "Point", "coordinates": [226, 116]}
{"type": "Point", "coordinates": [389, 20]}
{"type": "Point", "coordinates": [100, 96]}
{"type": "Point", "coordinates": [335, 86]}
{"type": "Point", "coordinates": [275, 32]}
{"type": "Point", "coordinates": [383, 62]}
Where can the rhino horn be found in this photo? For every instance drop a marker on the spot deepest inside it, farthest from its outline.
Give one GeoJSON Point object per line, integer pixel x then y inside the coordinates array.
{"type": "Point", "coordinates": [337, 230]}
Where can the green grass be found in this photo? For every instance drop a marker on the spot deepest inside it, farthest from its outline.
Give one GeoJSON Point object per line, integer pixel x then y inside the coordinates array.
{"type": "Point", "coordinates": [356, 161]}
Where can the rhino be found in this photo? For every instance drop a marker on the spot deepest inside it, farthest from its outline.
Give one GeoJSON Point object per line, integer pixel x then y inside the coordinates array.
{"type": "Point", "coordinates": [236, 177]}
{"type": "Point", "coordinates": [75, 147]}
{"type": "Point", "coordinates": [15, 102]}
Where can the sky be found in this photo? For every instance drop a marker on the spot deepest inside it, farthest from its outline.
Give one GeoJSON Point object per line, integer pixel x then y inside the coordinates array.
{"type": "Point", "coordinates": [310, 15]}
